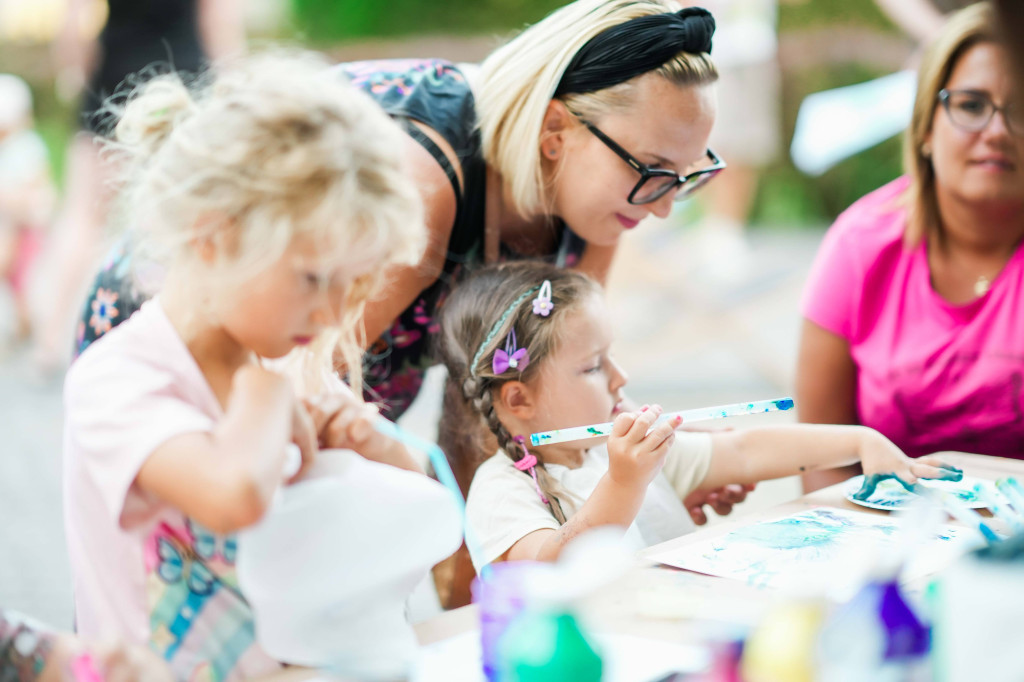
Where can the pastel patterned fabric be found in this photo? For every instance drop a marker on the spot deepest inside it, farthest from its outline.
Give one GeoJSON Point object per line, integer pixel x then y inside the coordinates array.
{"type": "Point", "coordinates": [142, 570]}
{"type": "Point", "coordinates": [930, 375]}
{"type": "Point", "coordinates": [437, 94]}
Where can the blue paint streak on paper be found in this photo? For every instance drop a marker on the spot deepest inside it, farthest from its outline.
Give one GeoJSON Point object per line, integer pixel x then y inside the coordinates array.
{"type": "Point", "coordinates": [798, 532]}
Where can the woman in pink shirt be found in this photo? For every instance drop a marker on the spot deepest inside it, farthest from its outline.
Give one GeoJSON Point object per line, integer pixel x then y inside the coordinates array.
{"type": "Point", "coordinates": [914, 309]}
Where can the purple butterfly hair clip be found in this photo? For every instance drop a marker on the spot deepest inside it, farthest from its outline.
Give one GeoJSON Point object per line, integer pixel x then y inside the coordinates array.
{"type": "Point", "coordinates": [511, 357]}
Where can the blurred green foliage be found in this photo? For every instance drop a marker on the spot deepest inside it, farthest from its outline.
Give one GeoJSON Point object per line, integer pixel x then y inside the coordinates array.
{"type": "Point", "coordinates": [804, 14]}
{"type": "Point", "coordinates": [786, 197]}
{"type": "Point", "coordinates": [329, 21]}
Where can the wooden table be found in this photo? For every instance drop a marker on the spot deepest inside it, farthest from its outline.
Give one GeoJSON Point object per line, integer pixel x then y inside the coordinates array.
{"type": "Point", "coordinates": [689, 595]}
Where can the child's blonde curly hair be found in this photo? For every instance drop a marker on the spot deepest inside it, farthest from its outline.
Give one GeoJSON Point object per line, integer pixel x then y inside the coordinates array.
{"type": "Point", "coordinates": [256, 154]}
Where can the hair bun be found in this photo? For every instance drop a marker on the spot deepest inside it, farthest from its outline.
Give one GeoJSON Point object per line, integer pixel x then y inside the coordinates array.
{"type": "Point", "coordinates": [152, 113]}
{"type": "Point", "coordinates": [699, 28]}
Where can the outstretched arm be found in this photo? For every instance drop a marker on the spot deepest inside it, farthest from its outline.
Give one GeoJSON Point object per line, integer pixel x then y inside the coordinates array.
{"type": "Point", "coordinates": [776, 451]}
{"type": "Point", "coordinates": [826, 385]}
{"type": "Point", "coordinates": [404, 283]}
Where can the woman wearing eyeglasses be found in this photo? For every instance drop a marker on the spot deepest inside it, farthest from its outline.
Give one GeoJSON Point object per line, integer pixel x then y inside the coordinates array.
{"type": "Point", "coordinates": [913, 310]}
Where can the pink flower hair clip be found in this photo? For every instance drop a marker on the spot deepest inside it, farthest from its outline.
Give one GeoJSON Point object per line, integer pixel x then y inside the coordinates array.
{"type": "Point", "coordinates": [529, 463]}
{"type": "Point", "coordinates": [542, 305]}
{"type": "Point", "coordinates": [511, 357]}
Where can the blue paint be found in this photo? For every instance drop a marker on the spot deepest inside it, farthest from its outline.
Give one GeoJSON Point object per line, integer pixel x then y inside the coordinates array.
{"type": "Point", "coordinates": [816, 529]}
{"type": "Point", "coordinates": [784, 404]}
{"type": "Point", "coordinates": [950, 473]}
{"type": "Point", "coordinates": [788, 534]}
{"type": "Point", "coordinates": [872, 481]}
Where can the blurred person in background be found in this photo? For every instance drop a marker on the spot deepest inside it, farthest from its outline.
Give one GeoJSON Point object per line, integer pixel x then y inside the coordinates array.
{"type": "Point", "coordinates": [154, 36]}
{"type": "Point", "coordinates": [747, 129]}
{"type": "Point", "coordinates": [26, 194]}
{"type": "Point", "coordinates": [912, 308]}
{"type": "Point", "coordinates": [1011, 14]}
{"type": "Point", "coordinates": [922, 20]}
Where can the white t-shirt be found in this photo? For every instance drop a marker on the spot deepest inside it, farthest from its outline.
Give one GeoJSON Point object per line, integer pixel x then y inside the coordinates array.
{"type": "Point", "coordinates": [503, 506]}
{"type": "Point", "coordinates": [144, 572]}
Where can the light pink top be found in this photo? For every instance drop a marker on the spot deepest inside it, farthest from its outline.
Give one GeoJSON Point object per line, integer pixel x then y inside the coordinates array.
{"type": "Point", "coordinates": [142, 570]}
{"type": "Point", "coordinates": [930, 375]}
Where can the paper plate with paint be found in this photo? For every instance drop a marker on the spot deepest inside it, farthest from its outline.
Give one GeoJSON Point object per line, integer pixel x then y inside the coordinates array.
{"type": "Point", "coordinates": [890, 493]}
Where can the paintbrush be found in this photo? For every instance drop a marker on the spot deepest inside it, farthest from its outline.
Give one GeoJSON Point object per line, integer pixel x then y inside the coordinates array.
{"type": "Point", "coordinates": [1011, 490]}
{"type": "Point", "coordinates": [958, 511]}
{"type": "Point", "coordinates": [695, 415]}
{"type": "Point", "coordinates": [998, 509]}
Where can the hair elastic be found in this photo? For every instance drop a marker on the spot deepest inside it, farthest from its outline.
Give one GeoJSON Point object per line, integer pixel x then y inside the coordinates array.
{"type": "Point", "coordinates": [529, 463]}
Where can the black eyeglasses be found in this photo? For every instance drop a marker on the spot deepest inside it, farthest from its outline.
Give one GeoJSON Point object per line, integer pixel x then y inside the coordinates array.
{"type": "Point", "coordinates": [655, 183]}
{"type": "Point", "coordinates": [972, 110]}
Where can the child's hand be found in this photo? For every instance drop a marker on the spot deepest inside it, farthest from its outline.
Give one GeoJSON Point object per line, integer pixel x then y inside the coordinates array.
{"type": "Point", "coordinates": [881, 459]}
{"type": "Point", "coordinates": [255, 382]}
{"type": "Point", "coordinates": [635, 456]}
{"type": "Point", "coordinates": [304, 435]}
{"type": "Point", "coordinates": [722, 500]}
{"type": "Point", "coordinates": [73, 660]}
{"type": "Point", "coordinates": [124, 663]}
{"type": "Point", "coordinates": [342, 421]}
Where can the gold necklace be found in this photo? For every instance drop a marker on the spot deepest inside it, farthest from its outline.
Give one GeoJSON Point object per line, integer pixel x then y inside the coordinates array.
{"type": "Point", "coordinates": [982, 285]}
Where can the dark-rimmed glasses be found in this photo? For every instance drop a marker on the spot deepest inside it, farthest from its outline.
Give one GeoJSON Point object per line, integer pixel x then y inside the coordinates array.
{"type": "Point", "coordinates": [655, 183]}
{"type": "Point", "coordinates": [972, 110]}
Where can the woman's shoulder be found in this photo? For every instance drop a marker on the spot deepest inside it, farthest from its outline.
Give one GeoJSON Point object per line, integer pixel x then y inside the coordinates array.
{"type": "Point", "coordinates": [433, 91]}
{"type": "Point", "coordinates": [882, 211]}
{"type": "Point", "coordinates": [873, 224]}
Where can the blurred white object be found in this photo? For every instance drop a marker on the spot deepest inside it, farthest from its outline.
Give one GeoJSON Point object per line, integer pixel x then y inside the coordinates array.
{"type": "Point", "coordinates": [329, 568]}
{"type": "Point", "coordinates": [835, 124]}
{"type": "Point", "coordinates": [977, 616]}
{"type": "Point", "coordinates": [15, 102]}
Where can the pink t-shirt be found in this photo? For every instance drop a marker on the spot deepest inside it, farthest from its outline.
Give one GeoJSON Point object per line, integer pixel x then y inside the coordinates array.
{"type": "Point", "coordinates": [142, 570]}
{"type": "Point", "coordinates": [930, 375]}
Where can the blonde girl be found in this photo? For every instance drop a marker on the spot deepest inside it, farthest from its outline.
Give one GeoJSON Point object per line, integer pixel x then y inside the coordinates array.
{"type": "Point", "coordinates": [271, 199]}
{"type": "Point", "coordinates": [528, 347]}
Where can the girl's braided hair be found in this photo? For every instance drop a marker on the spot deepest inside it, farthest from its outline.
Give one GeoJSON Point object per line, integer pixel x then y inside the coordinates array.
{"type": "Point", "coordinates": [475, 321]}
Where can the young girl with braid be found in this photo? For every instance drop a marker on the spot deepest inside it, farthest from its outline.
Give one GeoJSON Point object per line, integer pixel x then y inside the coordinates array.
{"type": "Point", "coordinates": [528, 347]}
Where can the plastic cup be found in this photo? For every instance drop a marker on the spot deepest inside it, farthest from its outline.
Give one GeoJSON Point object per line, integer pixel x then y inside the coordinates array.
{"type": "Point", "coordinates": [501, 596]}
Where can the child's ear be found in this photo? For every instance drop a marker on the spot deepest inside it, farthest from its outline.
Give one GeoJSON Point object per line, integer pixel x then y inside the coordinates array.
{"type": "Point", "coordinates": [213, 236]}
{"type": "Point", "coordinates": [517, 399]}
{"type": "Point", "coordinates": [557, 122]}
